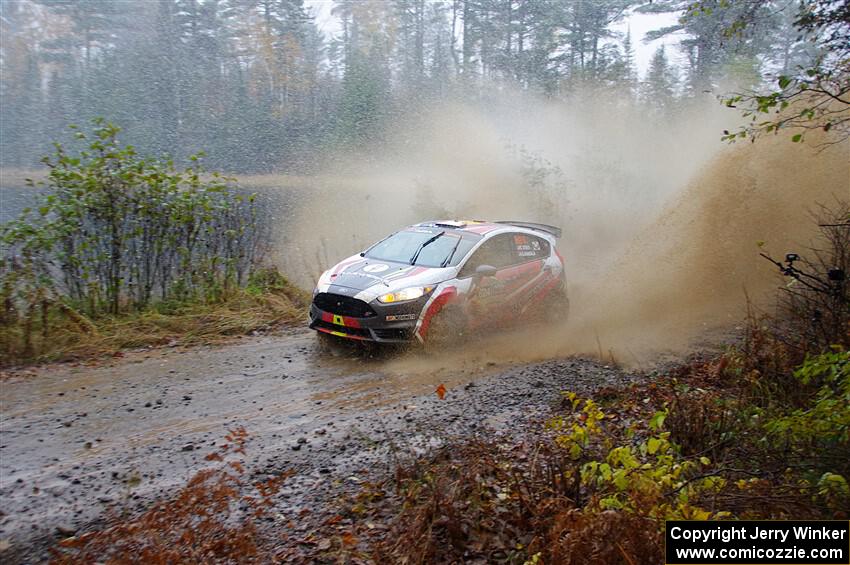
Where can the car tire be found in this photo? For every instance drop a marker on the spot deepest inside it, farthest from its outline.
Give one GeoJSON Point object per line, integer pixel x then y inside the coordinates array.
{"type": "Point", "coordinates": [446, 330]}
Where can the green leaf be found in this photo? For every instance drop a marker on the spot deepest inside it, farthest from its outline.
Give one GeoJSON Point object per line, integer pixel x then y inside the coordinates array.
{"type": "Point", "coordinates": [652, 445]}
{"type": "Point", "coordinates": [657, 420]}
{"type": "Point", "coordinates": [797, 138]}
{"type": "Point", "coordinates": [621, 481]}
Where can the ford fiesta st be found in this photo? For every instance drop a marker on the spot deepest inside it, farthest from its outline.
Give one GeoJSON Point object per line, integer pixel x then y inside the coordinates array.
{"type": "Point", "coordinates": [436, 281]}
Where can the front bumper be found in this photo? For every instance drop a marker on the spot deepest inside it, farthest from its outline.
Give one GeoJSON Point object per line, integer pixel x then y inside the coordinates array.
{"type": "Point", "coordinates": [390, 323]}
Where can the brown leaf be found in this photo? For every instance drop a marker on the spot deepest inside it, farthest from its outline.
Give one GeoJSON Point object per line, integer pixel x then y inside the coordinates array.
{"type": "Point", "coordinates": [441, 391]}
{"type": "Point", "coordinates": [72, 541]}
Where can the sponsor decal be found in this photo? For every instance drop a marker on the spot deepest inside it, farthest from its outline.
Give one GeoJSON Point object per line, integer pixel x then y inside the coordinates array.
{"type": "Point", "coordinates": [376, 268]}
{"type": "Point", "coordinates": [365, 275]}
{"type": "Point", "coordinates": [489, 290]}
{"type": "Point", "coordinates": [526, 247]}
{"type": "Point", "coordinates": [401, 317]}
{"type": "Point", "coordinates": [345, 264]}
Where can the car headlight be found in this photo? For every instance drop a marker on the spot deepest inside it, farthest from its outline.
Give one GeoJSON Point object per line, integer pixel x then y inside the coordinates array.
{"type": "Point", "coordinates": [411, 293]}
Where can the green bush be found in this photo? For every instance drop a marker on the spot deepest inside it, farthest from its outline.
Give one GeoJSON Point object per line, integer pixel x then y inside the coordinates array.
{"type": "Point", "coordinates": [819, 433]}
{"type": "Point", "coordinates": [114, 232]}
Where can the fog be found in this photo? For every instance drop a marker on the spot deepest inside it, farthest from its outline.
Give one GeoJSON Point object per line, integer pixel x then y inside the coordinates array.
{"type": "Point", "coordinates": [661, 219]}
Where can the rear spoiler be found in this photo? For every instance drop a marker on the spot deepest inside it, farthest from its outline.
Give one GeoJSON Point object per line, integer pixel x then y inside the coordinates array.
{"type": "Point", "coordinates": [552, 230]}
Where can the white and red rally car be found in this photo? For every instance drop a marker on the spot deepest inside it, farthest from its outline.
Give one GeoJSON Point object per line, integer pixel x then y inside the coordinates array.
{"type": "Point", "coordinates": [435, 281]}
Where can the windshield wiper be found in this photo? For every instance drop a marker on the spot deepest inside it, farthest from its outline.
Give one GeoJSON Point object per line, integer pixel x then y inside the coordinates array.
{"type": "Point", "coordinates": [425, 243]}
{"type": "Point", "coordinates": [448, 259]}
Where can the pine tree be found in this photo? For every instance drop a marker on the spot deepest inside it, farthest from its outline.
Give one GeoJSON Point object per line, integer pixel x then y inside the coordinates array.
{"type": "Point", "coordinates": [630, 75]}
{"type": "Point", "coordinates": [659, 88]}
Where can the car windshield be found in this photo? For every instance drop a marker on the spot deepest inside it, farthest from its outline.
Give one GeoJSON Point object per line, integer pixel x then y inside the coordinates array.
{"type": "Point", "coordinates": [446, 250]}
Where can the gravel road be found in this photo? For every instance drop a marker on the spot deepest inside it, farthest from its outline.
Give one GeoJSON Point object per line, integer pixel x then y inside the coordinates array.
{"type": "Point", "coordinates": [78, 442]}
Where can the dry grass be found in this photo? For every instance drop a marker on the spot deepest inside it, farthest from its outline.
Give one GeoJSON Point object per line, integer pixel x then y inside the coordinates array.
{"type": "Point", "coordinates": [485, 502]}
{"type": "Point", "coordinates": [75, 337]}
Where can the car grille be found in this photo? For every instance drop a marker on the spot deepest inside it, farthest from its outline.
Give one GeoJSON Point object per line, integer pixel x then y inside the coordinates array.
{"type": "Point", "coordinates": [342, 305]}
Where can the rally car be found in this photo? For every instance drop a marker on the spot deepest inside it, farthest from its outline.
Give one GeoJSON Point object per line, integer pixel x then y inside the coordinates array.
{"type": "Point", "coordinates": [435, 282]}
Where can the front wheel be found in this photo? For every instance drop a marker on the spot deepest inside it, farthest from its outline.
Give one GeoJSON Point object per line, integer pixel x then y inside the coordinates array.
{"type": "Point", "coordinates": [447, 329]}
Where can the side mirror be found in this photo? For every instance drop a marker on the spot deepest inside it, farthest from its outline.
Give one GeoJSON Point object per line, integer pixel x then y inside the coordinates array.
{"type": "Point", "coordinates": [485, 271]}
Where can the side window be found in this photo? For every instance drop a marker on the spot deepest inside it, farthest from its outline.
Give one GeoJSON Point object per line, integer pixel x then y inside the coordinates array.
{"type": "Point", "coordinates": [528, 247]}
{"type": "Point", "coordinates": [497, 252]}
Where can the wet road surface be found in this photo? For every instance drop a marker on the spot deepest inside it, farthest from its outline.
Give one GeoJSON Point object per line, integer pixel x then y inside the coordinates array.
{"type": "Point", "coordinates": [79, 442]}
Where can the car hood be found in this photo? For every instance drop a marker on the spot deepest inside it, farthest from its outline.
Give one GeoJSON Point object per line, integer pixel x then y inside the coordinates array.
{"type": "Point", "coordinates": [367, 278]}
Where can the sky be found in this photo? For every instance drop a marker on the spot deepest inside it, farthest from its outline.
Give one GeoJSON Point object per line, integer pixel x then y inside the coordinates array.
{"type": "Point", "coordinates": [640, 24]}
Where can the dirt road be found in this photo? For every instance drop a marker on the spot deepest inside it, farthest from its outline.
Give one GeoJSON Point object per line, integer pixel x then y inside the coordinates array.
{"type": "Point", "coordinates": [79, 442]}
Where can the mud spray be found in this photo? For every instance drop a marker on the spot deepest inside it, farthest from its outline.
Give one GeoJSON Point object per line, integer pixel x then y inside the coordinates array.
{"type": "Point", "coordinates": [661, 219]}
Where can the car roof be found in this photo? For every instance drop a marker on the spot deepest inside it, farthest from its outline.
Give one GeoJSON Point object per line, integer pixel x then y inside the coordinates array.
{"type": "Point", "coordinates": [482, 227]}
{"type": "Point", "coordinates": [479, 227]}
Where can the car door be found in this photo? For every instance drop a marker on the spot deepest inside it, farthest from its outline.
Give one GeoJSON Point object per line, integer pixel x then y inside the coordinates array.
{"type": "Point", "coordinates": [523, 275]}
{"type": "Point", "coordinates": [487, 294]}
{"type": "Point", "coordinates": [493, 298]}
